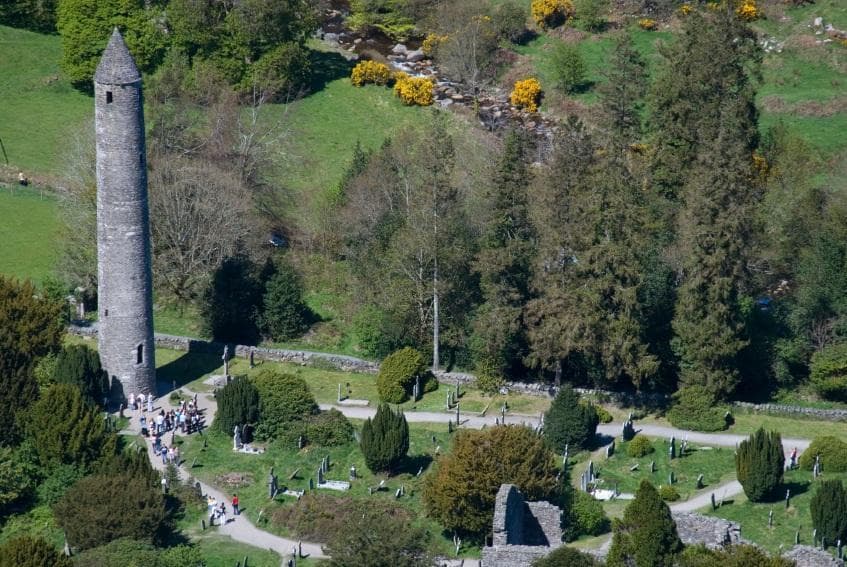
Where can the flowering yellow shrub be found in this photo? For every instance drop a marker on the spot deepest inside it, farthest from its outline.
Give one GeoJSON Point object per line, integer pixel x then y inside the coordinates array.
{"type": "Point", "coordinates": [748, 11]}
{"type": "Point", "coordinates": [685, 9]}
{"type": "Point", "coordinates": [414, 90]}
{"type": "Point", "coordinates": [430, 43]}
{"type": "Point", "coordinates": [647, 24]}
{"type": "Point", "coordinates": [551, 13]}
{"type": "Point", "coordinates": [760, 164]}
{"type": "Point", "coordinates": [527, 93]}
{"type": "Point", "coordinates": [370, 72]}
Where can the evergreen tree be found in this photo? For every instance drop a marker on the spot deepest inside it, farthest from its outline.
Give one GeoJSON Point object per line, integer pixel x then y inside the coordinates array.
{"type": "Point", "coordinates": [231, 302]}
{"type": "Point", "coordinates": [85, 27]}
{"type": "Point", "coordinates": [829, 511]}
{"type": "Point", "coordinates": [759, 464]}
{"type": "Point", "coordinates": [385, 440]}
{"type": "Point", "coordinates": [66, 430]}
{"type": "Point", "coordinates": [566, 557]}
{"type": "Point", "coordinates": [647, 536]}
{"type": "Point", "coordinates": [30, 328]}
{"type": "Point", "coordinates": [28, 551]}
{"type": "Point", "coordinates": [570, 421]}
{"type": "Point", "coordinates": [504, 261]}
{"type": "Point", "coordinates": [238, 404]}
{"type": "Point", "coordinates": [284, 313]}
{"type": "Point", "coordinates": [622, 91]}
{"type": "Point", "coordinates": [79, 366]}
{"type": "Point", "coordinates": [460, 493]}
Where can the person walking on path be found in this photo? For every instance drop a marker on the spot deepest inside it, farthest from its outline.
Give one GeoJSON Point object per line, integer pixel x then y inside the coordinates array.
{"type": "Point", "coordinates": [235, 504]}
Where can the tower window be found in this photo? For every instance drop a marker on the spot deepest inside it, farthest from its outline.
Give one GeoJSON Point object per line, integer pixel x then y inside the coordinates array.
{"type": "Point", "coordinates": [108, 97]}
{"type": "Point", "coordinates": [106, 313]}
{"type": "Point", "coordinates": [139, 354]}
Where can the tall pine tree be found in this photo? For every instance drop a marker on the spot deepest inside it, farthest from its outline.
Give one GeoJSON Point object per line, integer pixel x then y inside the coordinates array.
{"type": "Point", "coordinates": [385, 439]}
{"type": "Point", "coordinates": [647, 536]}
{"type": "Point", "coordinates": [622, 92]}
{"type": "Point", "coordinates": [504, 261]}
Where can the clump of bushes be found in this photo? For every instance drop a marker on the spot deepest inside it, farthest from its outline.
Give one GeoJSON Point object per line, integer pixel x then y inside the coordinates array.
{"type": "Point", "coordinates": [414, 90]}
{"type": "Point", "coordinates": [586, 516]}
{"type": "Point", "coordinates": [285, 401]}
{"type": "Point", "coordinates": [697, 408]}
{"type": "Point", "coordinates": [370, 72]}
{"type": "Point", "coordinates": [526, 94]}
{"type": "Point", "coordinates": [639, 447]}
{"type": "Point", "coordinates": [551, 13]}
{"type": "Point", "coordinates": [648, 24]}
{"type": "Point", "coordinates": [833, 453]}
{"type": "Point", "coordinates": [668, 493]}
{"type": "Point", "coordinates": [328, 429]}
{"type": "Point", "coordinates": [570, 421]}
{"type": "Point", "coordinates": [397, 375]}
{"type": "Point", "coordinates": [829, 372]}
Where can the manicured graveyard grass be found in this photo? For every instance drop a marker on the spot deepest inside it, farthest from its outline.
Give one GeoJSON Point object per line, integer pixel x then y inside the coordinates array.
{"type": "Point", "coordinates": [38, 107]}
{"type": "Point", "coordinates": [218, 459]}
{"type": "Point", "coordinates": [28, 229]}
{"type": "Point", "coordinates": [753, 517]}
{"type": "Point", "coordinates": [716, 464]}
{"type": "Point", "coordinates": [174, 320]}
{"type": "Point", "coordinates": [747, 423]}
{"type": "Point", "coordinates": [222, 551]}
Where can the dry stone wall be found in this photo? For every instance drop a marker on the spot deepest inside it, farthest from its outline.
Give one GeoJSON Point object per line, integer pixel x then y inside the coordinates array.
{"type": "Point", "coordinates": [808, 556]}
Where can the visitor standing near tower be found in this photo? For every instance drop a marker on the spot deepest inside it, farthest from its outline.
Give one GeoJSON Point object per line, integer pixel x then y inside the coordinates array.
{"type": "Point", "coordinates": [124, 275]}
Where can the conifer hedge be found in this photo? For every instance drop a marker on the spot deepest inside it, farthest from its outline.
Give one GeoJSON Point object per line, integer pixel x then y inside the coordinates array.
{"type": "Point", "coordinates": [829, 511]}
{"type": "Point", "coordinates": [238, 404]}
{"type": "Point", "coordinates": [759, 463]}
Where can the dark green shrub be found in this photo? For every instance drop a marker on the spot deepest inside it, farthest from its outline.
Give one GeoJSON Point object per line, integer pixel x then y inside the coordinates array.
{"type": "Point", "coordinates": [329, 429]}
{"type": "Point", "coordinates": [586, 515]}
{"type": "Point", "coordinates": [397, 375]}
{"type": "Point", "coordinates": [238, 405]}
{"type": "Point", "coordinates": [489, 379]}
{"type": "Point", "coordinates": [647, 536]}
{"type": "Point", "coordinates": [570, 421]}
{"type": "Point", "coordinates": [759, 464]}
{"type": "Point", "coordinates": [385, 439]}
{"type": "Point", "coordinates": [568, 67]}
{"type": "Point", "coordinates": [26, 551]}
{"type": "Point", "coordinates": [281, 72]}
{"type": "Point", "coordinates": [510, 20]}
{"type": "Point", "coordinates": [101, 508]}
{"type": "Point", "coordinates": [369, 326]}
{"type": "Point", "coordinates": [57, 483]}
{"type": "Point", "coordinates": [80, 366]}
{"type": "Point", "coordinates": [591, 14]}
{"type": "Point", "coordinates": [603, 415]}
{"type": "Point", "coordinates": [696, 408]}
{"type": "Point", "coordinates": [283, 399]}
{"type": "Point", "coordinates": [230, 305]}
{"type": "Point", "coordinates": [668, 493]}
{"type": "Point", "coordinates": [829, 372]}
{"type": "Point", "coordinates": [639, 447]}
{"type": "Point", "coordinates": [115, 554]}
{"type": "Point", "coordinates": [833, 453]}
{"type": "Point", "coordinates": [64, 429]}
{"type": "Point", "coordinates": [18, 477]}
{"type": "Point", "coordinates": [740, 555]}
{"type": "Point", "coordinates": [829, 511]}
{"type": "Point", "coordinates": [566, 556]}
{"type": "Point", "coordinates": [284, 314]}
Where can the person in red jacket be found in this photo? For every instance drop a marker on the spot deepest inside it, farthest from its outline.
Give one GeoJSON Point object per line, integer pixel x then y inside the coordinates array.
{"type": "Point", "coordinates": [235, 504]}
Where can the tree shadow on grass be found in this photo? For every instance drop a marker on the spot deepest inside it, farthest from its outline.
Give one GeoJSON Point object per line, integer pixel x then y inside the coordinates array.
{"type": "Point", "coordinates": [187, 368]}
{"type": "Point", "coordinates": [327, 66]}
{"type": "Point", "coordinates": [413, 463]}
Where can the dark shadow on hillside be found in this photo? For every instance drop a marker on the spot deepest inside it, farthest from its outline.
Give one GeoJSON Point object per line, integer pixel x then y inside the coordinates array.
{"type": "Point", "coordinates": [327, 66]}
{"type": "Point", "coordinates": [413, 463]}
{"type": "Point", "coordinates": [187, 368]}
{"type": "Point", "coordinates": [600, 440]}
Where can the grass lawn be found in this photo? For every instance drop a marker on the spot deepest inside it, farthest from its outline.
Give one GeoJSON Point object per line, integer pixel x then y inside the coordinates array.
{"type": "Point", "coordinates": [218, 459]}
{"type": "Point", "coordinates": [753, 517]}
{"type": "Point", "coordinates": [28, 231]}
{"type": "Point", "coordinates": [38, 108]}
{"type": "Point", "coordinates": [716, 464]}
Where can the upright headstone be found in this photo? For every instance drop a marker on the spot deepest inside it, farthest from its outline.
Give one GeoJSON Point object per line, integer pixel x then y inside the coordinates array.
{"type": "Point", "coordinates": [671, 478]}
{"type": "Point", "coordinates": [339, 392]}
{"type": "Point", "coordinates": [352, 472]}
{"type": "Point", "coordinates": [417, 388]}
{"type": "Point", "coordinates": [714, 504]}
{"type": "Point", "coordinates": [787, 498]}
{"type": "Point", "coordinates": [590, 471]}
{"type": "Point", "coordinates": [699, 481]}
{"type": "Point", "coordinates": [797, 537]}
{"type": "Point", "coordinates": [672, 448]}
{"type": "Point", "coordinates": [770, 518]}
{"type": "Point", "coordinates": [652, 466]}
{"type": "Point", "coordinates": [458, 415]}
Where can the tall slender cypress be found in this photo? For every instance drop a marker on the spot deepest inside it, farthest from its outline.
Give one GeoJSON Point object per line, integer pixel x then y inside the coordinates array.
{"type": "Point", "coordinates": [385, 439]}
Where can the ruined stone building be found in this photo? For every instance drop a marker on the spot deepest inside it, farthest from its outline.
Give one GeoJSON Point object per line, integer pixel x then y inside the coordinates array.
{"type": "Point", "coordinates": [123, 225]}
{"type": "Point", "coordinates": [523, 531]}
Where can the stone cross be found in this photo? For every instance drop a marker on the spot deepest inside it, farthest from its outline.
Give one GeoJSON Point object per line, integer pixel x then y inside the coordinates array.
{"type": "Point", "coordinates": [458, 417]}
{"type": "Point", "coordinates": [225, 358]}
{"type": "Point", "coordinates": [320, 476]}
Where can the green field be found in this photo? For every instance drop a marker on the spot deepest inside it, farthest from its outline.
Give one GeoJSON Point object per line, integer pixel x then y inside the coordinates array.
{"type": "Point", "coordinates": [29, 239]}
{"type": "Point", "coordinates": [39, 110]}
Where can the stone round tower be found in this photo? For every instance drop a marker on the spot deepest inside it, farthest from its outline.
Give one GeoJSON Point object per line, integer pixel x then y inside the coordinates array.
{"type": "Point", "coordinates": [123, 225]}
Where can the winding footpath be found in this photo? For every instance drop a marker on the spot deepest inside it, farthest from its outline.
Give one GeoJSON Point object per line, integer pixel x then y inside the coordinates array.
{"type": "Point", "coordinates": [243, 530]}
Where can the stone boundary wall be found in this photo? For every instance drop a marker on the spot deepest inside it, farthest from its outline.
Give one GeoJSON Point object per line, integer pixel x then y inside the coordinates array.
{"type": "Point", "coordinates": [353, 364]}
{"type": "Point", "coordinates": [712, 532]}
{"type": "Point", "coordinates": [808, 556]}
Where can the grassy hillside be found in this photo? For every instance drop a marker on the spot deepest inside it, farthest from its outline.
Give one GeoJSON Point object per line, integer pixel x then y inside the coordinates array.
{"type": "Point", "coordinates": [28, 233]}
{"type": "Point", "coordinates": [38, 109]}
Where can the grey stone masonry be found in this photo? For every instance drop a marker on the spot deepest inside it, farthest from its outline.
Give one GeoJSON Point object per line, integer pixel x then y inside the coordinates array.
{"type": "Point", "coordinates": [123, 225]}
{"type": "Point", "coordinates": [807, 556]}
{"type": "Point", "coordinates": [523, 531]}
{"type": "Point", "coordinates": [714, 533]}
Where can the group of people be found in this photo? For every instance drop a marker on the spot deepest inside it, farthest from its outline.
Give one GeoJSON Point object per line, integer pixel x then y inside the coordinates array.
{"type": "Point", "coordinates": [217, 511]}
{"type": "Point", "coordinates": [186, 418]}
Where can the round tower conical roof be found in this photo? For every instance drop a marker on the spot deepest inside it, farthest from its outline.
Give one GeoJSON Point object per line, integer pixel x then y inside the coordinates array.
{"type": "Point", "coordinates": [116, 67]}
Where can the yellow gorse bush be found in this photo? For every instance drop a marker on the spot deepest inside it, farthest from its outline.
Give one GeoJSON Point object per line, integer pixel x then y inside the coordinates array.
{"type": "Point", "coordinates": [414, 90]}
{"type": "Point", "coordinates": [748, 11]}
{"type": "Point", "coordinates": [551, 13]}
{"type": "Point", "coordinates": [526, 94]}
{"type": "Point", "coordinates": [370, 72]}
{"type": "Point", "coordinates": [685, 9]}
{"type": "Point", "coordinates": [431, 42]}
{"type": "Point", "coordinates": [647, 24]}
